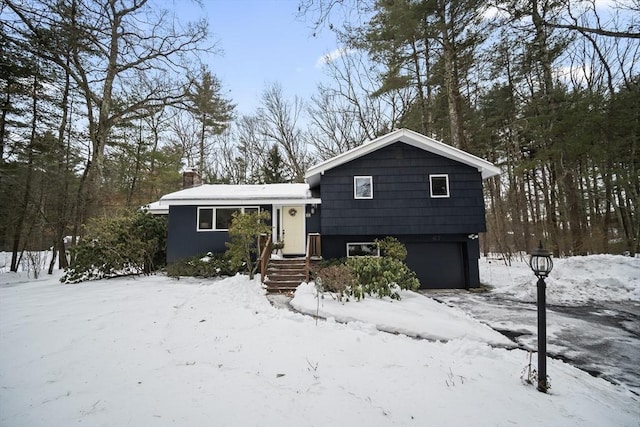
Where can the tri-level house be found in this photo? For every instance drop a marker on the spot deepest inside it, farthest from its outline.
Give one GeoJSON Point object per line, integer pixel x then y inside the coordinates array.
{"type": "Point", "coordinates": [425, 193]}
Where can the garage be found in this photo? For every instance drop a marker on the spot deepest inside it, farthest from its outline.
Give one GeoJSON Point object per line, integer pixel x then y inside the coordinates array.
{"type": "Point", "coordinates": [438, 265]}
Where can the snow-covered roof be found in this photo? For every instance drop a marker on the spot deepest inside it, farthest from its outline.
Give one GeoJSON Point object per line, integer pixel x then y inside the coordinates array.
{"type": "Point", "coordinates": [487, 169]}
{"type": "Point", "coordinates": [241, 194]}
{"type": "Point", "coordinates": [156, 208]}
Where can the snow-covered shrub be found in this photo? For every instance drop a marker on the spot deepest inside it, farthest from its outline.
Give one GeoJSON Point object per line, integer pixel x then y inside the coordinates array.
{"type": "Point", "coordinates": [381, 277]}
{"type": "Point", "coordinates": [209, 265]}
{"type": "Point", "coordinates": [129, 243]}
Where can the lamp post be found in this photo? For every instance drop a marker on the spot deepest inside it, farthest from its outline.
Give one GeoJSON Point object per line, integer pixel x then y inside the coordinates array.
{"type": "Point", "coordinates": [541, 264]}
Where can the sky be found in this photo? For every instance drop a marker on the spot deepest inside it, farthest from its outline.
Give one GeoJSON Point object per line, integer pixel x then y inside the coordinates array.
{"type": "Point", "coordinates": [261, 42]}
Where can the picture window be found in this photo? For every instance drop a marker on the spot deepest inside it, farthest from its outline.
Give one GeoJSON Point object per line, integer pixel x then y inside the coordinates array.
{"type": "Point", "coordinates": [219, 219]}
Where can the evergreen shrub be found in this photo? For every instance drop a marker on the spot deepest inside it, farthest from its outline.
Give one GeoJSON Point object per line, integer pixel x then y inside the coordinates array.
{"type": "Point", "coordinates": [358, 277]}
{"type": "Point", "coordinates": [132, 242]}
{"type": "Point", "coordinates": [209, 265]}
{"type": "Point", "coordinates": [381, 276]}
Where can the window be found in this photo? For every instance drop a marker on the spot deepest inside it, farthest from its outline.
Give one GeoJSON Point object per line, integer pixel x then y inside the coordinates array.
{"type": "Point", "coordinates": [362, 187]}
{"type": "Point", "coordinates": [219, 219]}
{"type": "Point", "coordinates": [439, 185]}
{"type": "Point", "coordinates": [224, 216]}
{"type": "Point", "coordinates": [205, 219]}
{"type": "Point", "coordinates": [363, 249]}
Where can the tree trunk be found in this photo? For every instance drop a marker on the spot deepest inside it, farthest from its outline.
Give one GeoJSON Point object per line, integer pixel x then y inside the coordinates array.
{"type": "Point", "coordinates": [24, 206]}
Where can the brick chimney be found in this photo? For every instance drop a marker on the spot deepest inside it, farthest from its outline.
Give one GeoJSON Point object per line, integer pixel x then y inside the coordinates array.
{"type": "Point", "coordinates": [190, 178]}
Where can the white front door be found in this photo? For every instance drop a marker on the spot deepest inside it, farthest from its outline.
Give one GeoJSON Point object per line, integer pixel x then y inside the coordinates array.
{"type": "Point", "coordinates": [293, 230]}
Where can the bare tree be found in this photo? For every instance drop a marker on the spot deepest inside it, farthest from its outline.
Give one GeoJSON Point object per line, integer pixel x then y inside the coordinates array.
{"type": "Point", "coordinates": [279, 124]}
{"type": "Point", "coordinates": [104, 45]}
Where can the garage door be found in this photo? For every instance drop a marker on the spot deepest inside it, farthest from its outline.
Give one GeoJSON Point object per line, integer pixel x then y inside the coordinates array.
{"type": "Point", "coordinates": [437, 265]}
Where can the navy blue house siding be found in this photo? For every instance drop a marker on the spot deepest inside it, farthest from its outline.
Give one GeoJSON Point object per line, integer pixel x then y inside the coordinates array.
{"type": "Point", "coordinates": [184, 240]}
{"type": "Point", "coordinates": [436, 231]}
{"type": "Point", "coordinates": [440, 261]}
{"type": "Point", "coordinates": [401, 201]}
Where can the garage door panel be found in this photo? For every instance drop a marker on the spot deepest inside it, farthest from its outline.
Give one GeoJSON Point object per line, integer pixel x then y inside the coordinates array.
{"type": "Point", "coordinates": [437, 265]}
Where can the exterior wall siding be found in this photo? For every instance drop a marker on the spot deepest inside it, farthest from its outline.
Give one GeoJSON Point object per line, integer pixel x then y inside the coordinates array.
{"type": "Point", "coordinates": [401, 203]}
{"type": "Point", "coordinates": [443, 260]}
{"type": "Point", "coordinates": [185, 241]}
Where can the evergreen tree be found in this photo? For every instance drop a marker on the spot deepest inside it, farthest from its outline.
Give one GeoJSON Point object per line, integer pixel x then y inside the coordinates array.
{"type": "Point", "coordinates": [273, 171]}
{"type": "Point", "coordinates": [210, 109]}
{"type": "Point", "coordinates": [245, 230]}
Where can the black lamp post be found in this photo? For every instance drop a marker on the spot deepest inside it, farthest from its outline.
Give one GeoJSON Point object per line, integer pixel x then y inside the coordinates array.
{"type": "Point", "coordinates": [541, 264]}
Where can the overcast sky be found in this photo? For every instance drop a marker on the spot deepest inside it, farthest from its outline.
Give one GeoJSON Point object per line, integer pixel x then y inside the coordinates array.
{"type": "Point", "coordinates": [262, 41]}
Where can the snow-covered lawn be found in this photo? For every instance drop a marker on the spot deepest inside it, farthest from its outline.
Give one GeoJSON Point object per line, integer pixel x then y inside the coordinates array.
{"type": "Point", "coordinates": [155, 351]}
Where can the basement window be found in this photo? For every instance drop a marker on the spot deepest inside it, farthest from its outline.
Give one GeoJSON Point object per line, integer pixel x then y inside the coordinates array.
{"type": "Point", "coordinates": [439, 185]}
{"type": "Point", "coordinates": [363, 249]}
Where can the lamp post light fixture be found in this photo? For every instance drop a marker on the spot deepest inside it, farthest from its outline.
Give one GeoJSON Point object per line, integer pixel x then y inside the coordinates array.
{"type": "Point", "coordinates": [541, 264]}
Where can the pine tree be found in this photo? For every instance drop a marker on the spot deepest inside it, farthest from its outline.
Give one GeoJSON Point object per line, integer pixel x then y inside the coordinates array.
{"type": "Point", "coordinates": [210, 109]}
{"type": "Point", "coordinates": [273, 171]}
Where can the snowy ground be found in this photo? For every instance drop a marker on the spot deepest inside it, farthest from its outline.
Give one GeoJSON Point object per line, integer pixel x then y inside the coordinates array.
{"type": "Point", "coordinates": [158, 351]}
{"type": "Point", "coordinates": [593, 311]}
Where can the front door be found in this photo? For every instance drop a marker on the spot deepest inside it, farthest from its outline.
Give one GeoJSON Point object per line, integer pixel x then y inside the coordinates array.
{"type": "Point", "coordinates": [293, 230]}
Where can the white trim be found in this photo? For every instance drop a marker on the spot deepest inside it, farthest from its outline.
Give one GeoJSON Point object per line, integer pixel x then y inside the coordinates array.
{"type": "Point", "coordinates": [363, 243]}
{"type": "Point", "coordinates": [355, 187]}
{"type": "Point", "coordinates": [439, 196]}
{"type": "Point", "coordinates": [215, 216]}
{"type": "Point", "coordinates": [487, 169]}
{"type": "Point", "coordinates": [162, 203]}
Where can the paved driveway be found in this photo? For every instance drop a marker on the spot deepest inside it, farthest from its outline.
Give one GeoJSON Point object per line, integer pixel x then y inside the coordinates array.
{"type": "Point", "coordinates": [602, 338]}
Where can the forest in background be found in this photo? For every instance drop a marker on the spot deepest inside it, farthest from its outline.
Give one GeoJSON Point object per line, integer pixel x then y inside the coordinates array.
{"type": "Point", "coordinates": [105, 102]}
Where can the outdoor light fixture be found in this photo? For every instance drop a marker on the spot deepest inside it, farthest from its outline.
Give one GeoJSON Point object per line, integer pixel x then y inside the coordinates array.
{"type": "Point", "coordinates": [541, 264]}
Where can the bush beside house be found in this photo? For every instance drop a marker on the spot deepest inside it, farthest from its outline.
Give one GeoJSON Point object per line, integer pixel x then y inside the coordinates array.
{"type": "Point", "coordinates": [125, 244]}
{"type": "Point", "coordinates": [382, 276]}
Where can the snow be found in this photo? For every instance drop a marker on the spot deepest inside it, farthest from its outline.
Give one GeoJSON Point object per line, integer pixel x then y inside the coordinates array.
{"type": "Point", "coordinates": [573, 281]}
{"type": "Point", "coordinates": [223, 192]}
{"type": "Point", "coordinates": [414, 315]}
{"type": "Point", "coordinates": [160, 351]}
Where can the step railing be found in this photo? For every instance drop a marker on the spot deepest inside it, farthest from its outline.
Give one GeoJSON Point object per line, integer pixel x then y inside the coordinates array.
{"type": "Point", "coordinates": [314, 251]}
{"type": "Point", "coordinates": [265, 245]}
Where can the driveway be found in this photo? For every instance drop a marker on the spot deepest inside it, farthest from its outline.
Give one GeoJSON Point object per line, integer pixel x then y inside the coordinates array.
{"type": "Point", "coordinates": [602, 338]}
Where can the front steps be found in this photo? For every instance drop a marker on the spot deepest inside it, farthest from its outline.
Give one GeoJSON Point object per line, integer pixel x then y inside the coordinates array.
{"type": "Point", "coordinates": [284, 275]}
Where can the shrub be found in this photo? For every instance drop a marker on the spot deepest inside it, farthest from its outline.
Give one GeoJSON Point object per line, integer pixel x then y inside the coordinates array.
{"type": "Point", "coordinates": [245, 230]}
{"type": "Point", "coordinates": [381, 277]}
{"type": "Point", "coordinates": [209, 265]}
{"type": "Point", "coordinates": [335, 278]}
{"type": "Point", "coordinates": [392, 248]}
{"type": "Point", "coordinates": [128, 243]}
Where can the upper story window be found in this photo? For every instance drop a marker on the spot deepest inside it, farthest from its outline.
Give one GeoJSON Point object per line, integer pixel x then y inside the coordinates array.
{"type": "Point", "coordinates": [219, 219]}
{"type": "Point", "coordinates": [439, 185]}
{"type": "Point", "coordinates": [362, 187]}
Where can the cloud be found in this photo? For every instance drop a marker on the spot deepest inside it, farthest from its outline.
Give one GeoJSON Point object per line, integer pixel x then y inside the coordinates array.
{"type": "Point", "coordinates": [332, 56]}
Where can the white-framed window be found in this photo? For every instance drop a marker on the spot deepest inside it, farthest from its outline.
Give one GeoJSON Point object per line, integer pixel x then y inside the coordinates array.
{"type": "Point", "coordinates": [219, 219]}
{"type": "Point", "coordinates": [439, 185]}
{"type": "Point", "coordinates": [363, 249]}
{"type": "Point", "coordinates": [362, 187]}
